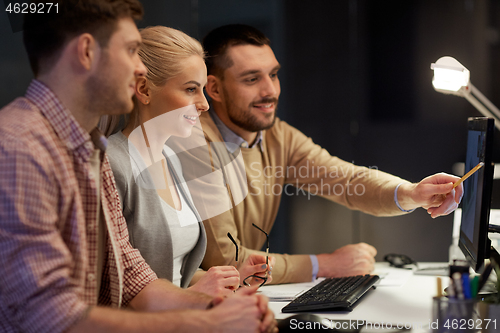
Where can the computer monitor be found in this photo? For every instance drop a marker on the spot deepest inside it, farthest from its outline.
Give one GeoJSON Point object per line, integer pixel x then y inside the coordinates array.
{"type": "Point", "coordinates": [476, 200]}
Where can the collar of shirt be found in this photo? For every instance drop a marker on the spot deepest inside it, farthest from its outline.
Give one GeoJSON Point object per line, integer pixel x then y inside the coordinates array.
{"type": "Point", "coordinates": [64, 124]}
{"type": "Point", "coordinates": [233, 138]}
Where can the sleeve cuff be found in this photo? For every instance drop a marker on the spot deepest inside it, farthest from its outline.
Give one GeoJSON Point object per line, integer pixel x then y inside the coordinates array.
{"type": "Point", "coordinates": [315, 266]}
{"type": "Point", "coordinates": [397, 202]}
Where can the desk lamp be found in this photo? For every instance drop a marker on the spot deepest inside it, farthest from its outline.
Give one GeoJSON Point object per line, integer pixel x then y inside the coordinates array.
{"type": "Point", "coordinates": [451, 77]}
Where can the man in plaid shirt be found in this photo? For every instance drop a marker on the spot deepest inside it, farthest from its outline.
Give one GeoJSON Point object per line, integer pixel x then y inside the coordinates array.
{"type": "Point", "coordinates": [66, 261]}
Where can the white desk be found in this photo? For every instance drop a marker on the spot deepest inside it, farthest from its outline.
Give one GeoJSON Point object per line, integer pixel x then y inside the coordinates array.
{"type": "Point", "coordinates": [409, 303]}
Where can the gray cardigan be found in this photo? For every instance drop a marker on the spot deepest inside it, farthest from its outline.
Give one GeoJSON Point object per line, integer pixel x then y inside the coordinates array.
{"type": "Point", "coordinates": [147, 224]}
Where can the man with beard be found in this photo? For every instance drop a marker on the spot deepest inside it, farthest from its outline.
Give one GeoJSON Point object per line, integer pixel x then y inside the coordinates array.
{"type": "Point", "coordinates": [67, 264]}
{"type": "Point", "coordinates": [244, 88]}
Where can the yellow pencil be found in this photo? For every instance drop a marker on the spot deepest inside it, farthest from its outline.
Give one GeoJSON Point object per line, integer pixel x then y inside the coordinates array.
{"type": "Point", "coordinates": [468, 174]}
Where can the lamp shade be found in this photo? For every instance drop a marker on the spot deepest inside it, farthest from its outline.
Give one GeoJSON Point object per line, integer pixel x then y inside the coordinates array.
{"type": "Point", "coordinates": [449, 76]}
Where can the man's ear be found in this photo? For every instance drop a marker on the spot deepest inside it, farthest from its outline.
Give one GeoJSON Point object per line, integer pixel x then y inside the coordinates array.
{"type": "Point", "coordinates": [142, 90]}
{"type": "Point", "coordinates": [87, 50]}
{"type": "Point", "coordinates": [213, 88]}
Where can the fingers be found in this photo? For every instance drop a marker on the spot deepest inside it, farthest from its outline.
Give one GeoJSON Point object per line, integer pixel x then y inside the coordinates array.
{"type": "Point", "coordinates": [435, 189]}
{"type": "Point", "coordinates": [262, 302]}
{"type": "Point", "coordinates": [459, 192]}
{"type": "Point", "coordinates": [445, 204]}
{"type": "Point", "coordinates": [372, 251]}
{"type": "Point", "coordinates": [442, 210]}
{"type": "Point", "coordinates": [255, 258]}
{"type": "Point", "coordinates": [223, 277]}
{"type": "Point", "coordinates": [268, 323]}
{"type": "Point", "coordinates": [218, 281]}
{"type": "Point", "coordinates": [215, 301]}
{"type": "Point", "coordinates": [353, 259]}
{"type": "Point", "coordinates": [255, 264]}
{"type": "Point", "coordinates": [362, 266]}
{"type": "Point", "coordinates": [223, 271]}
{"type": "Point", "coordinates": [259, 269]}
{"type": "Point", "coordinates": [440, 178]}
{"type": "Point", "coordinates": [230, 284]}
{"type": "Point", "coordinates": [247, 291]}
{"type": "Point", "coordinates": [272, 262]}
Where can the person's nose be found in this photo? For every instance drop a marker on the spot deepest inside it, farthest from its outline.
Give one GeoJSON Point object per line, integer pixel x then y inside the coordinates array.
{"type": "Point", "coordinates": [202, 104]}
{"type": "Point", "coordinates": [140, 69]}
{"type": "Point", "coordinates": [270, 87]}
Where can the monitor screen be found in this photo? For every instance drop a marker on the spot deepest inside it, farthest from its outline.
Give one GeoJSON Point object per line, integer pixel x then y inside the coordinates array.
{"type": "Point", "coordinates": [476, 200]}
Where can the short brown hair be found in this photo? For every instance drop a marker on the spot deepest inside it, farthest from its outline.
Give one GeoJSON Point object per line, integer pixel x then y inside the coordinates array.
{"type": "Point", "coordinates": [45, 34]}
{"type": "Point", "coordinates": [220, 39]}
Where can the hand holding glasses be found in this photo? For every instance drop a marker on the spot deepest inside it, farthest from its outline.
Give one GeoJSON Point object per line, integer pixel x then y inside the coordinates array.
{"type": "Point", "coordinates": [262, 279]}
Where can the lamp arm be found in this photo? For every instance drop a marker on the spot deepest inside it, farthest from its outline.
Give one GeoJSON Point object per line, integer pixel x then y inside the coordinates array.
{"type": "Point", "coordinates": [481, 108]}
{"type": "Point", "coordinates": [484, 100]}
{"type": "Point", "coordinates": [494, 228]}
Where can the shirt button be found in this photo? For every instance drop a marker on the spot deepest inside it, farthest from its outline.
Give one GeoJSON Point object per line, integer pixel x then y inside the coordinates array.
{"type": "Point", "coordinates": [91, 277]}
{"type": "Point", "coordinates": [244, 145]}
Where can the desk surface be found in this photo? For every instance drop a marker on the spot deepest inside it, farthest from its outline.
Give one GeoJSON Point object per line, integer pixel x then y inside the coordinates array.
{"type": "Point", "coordinates": [409, 303]}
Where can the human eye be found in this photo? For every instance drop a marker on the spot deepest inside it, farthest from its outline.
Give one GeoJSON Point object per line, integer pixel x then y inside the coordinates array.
{"type": "Point", "coordinates": [133, 48]}
{"type": "Point", "coordinates": [191, 90]}
{"type": "Point", "coordinates": [274, 75]}
{"type": "Point", "coordinates": [250, 80]}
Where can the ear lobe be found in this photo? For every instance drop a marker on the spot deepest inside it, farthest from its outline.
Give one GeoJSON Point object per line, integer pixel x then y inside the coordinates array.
{"type": "Point", "coordinates": [87, 50]}
{"type": "Point", "coordinates": [142, 90]}
{"type": "Point", "coordinates": [213, 88]}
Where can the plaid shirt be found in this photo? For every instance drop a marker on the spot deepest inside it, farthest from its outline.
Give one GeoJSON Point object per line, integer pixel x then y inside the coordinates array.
{"type": "Point", "coordinates": [48, 210]}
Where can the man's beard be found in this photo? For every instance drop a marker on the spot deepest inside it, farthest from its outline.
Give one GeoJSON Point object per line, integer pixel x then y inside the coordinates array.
{"type": "Point", "coordinates": [244, 118]}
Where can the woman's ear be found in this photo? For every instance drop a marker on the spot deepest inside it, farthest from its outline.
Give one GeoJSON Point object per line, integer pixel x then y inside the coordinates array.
{"type": "Point", "coordinates": [213, 88]}
{"type": "Point", "coordinates": [142, 90]}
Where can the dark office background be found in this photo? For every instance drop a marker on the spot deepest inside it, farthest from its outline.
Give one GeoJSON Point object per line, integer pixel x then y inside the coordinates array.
{"type": "Point", "coordinates": [356, 78]}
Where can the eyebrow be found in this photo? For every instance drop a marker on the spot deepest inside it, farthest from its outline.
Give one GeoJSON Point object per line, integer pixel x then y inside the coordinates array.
{"type": "Point", "coordinates": [255, 71]}
{"type": "Point", "coordinates": [193, 82]}
{"type": "Point", "coordinates": [135, 43]}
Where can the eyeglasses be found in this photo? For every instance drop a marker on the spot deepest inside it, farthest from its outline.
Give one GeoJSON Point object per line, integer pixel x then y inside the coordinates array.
{"type": "Point", "coordinates": [234, 242]}
{"type": "Point", "coordinates": [246, 282]}
{"type": "Point", "coordinates": [248, 279]}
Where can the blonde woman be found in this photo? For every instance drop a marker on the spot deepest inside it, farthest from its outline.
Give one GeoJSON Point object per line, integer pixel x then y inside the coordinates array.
{"type": "Point", "coordinates": [163, 223]}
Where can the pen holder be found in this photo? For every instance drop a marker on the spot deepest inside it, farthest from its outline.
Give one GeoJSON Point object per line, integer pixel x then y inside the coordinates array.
{"type": "Point", "coordinates": [453, 315]}
{"type": "Point", "coordinates": [488, 314]}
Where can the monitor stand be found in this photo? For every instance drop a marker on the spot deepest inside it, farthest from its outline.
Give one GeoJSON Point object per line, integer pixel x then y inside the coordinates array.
{"type": "Point", "coordinates": [490, 291]}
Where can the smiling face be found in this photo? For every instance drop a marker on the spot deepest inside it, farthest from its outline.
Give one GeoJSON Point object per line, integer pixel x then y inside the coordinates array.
{"type": "Point", "coordinates": [180, 91]}
{"type": "Point", "coordinates": [111, 87]}
{"type": "Point", "coordinates": [249, 92]}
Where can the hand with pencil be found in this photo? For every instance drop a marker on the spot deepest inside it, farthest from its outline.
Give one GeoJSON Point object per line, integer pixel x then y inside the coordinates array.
{"type": "Point", "coordinates": [439, 194]}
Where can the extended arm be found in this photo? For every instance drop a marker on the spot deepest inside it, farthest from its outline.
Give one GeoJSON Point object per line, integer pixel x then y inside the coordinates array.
{"type": "Point", "coordinates": [434, 193]}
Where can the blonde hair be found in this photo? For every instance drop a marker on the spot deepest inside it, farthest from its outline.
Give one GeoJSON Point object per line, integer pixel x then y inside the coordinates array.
{"type": "Point", "coordinates": [162, 52]}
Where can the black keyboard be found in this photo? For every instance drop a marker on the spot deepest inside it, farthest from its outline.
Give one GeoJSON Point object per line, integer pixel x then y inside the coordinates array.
{"type": "Point", "coordinates": [338, 294]}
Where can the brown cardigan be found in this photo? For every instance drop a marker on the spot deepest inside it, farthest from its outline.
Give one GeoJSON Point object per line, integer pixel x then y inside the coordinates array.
{"type": "Point", "coordinates": [288, 162]}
